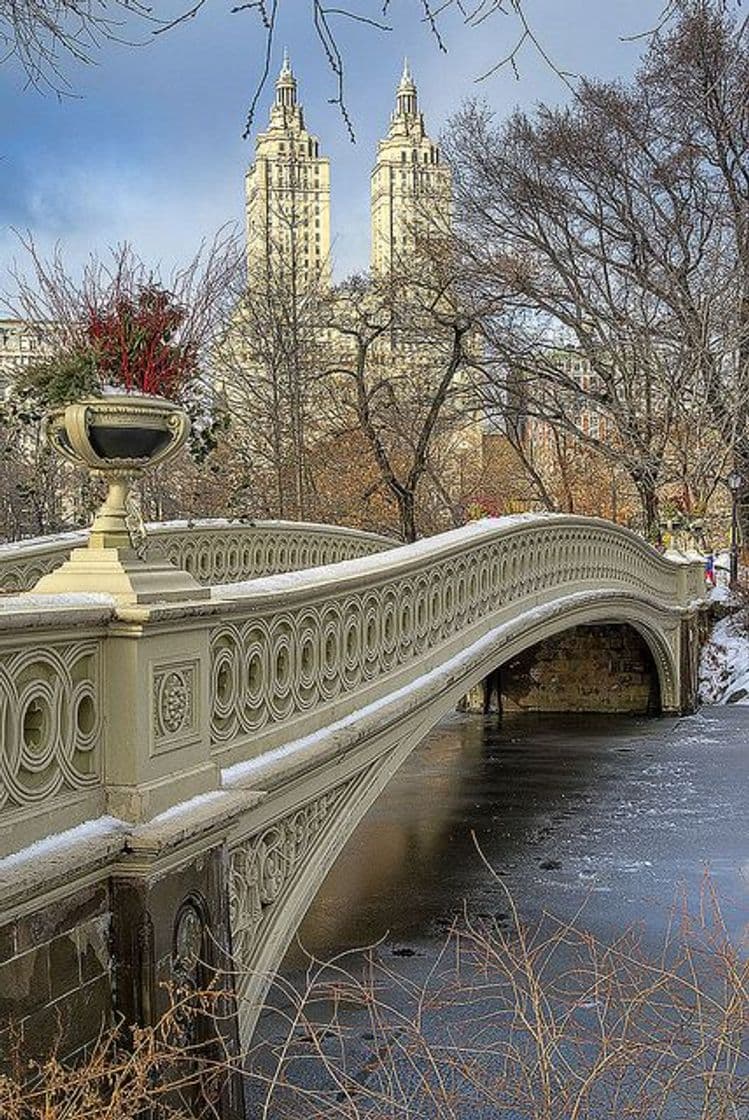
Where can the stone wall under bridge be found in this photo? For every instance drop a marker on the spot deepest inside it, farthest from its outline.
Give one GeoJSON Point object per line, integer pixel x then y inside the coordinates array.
{"type": "Point", "coordinates": [603, 668]}
{"type": "Point", "coordinates": [606, 668]}
{"type": "Point", "coordinates": [177, 779]}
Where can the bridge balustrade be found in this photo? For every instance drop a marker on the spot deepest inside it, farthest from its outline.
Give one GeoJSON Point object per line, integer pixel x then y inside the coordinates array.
{"type": "Point", "coordinates": [286, 651]}
{"type": "Point", "coordinates": [128, 711]}
{"type": "Point", "coordinates": [212, 550]}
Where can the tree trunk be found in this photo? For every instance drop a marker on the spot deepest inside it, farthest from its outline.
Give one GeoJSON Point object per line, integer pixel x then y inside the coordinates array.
{"type": "Point", "coordinates": [741, 464]}
{"type": "Point", "coordinates": [648, 495]}
{"type": "Point", "coordinates": [407, 511]}
{"type": "Point", "coordinates": [741, 444]}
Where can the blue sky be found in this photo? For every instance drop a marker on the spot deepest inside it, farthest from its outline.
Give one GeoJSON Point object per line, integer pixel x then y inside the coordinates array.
{"type": "Point", "coordinates": [150, 150]}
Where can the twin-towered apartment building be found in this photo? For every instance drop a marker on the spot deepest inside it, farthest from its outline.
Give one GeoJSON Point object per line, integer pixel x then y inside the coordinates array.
{"type": "Point", "coordinates": [288, 201]}
{"type": "Point", "coordinates": [288, 190]}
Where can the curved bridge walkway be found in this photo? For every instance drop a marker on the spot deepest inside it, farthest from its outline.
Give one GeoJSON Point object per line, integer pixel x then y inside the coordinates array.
{"type": "Point", "coordinates": [229, 747]}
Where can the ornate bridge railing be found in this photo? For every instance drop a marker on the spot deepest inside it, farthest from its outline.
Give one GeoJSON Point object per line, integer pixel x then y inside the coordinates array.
{"type": "Point", "coordinates": [213, 551]}
{"type": "Point", "coordinates": [291, 653]}
{"type": "Point", "coordinates": [128, 711]}
{"type": "Point", "coordinates": [52, 715]}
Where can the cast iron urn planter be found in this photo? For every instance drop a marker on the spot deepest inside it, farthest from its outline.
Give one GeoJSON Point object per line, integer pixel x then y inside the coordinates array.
{"type": "Point", "coordinates": [117, 437]}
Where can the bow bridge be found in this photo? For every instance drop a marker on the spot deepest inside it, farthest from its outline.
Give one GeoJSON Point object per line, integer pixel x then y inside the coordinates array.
{"type": "Point", "coordinates": [176, 778]}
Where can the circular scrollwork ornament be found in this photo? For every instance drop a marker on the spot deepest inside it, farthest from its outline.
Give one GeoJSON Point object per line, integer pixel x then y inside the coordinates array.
{"type": "Point", "coordinates": [188, 948]}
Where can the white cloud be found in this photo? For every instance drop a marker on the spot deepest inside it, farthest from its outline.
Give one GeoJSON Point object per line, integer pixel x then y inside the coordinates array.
{"type": "Point", "coordinates": [88, 208]}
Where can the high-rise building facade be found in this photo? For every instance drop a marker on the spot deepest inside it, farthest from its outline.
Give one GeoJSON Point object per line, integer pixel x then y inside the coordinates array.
{"type": "Point", "coordinates": [288, 196]}
{"type": "Point", "coordinates": [411, 187]}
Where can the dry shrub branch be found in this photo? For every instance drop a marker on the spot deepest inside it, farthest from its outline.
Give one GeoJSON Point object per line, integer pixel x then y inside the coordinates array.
{"type": "Point", "coordinates": [529, 1020]}
{"type": "Point", "coordinates": [541, 1021]}
{"type": "Point", "coordinates": [160, 1072]}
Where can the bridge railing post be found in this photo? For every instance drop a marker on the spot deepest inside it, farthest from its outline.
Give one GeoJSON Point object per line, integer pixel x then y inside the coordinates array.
{"type": "Point", "coordinates": [157, 744]}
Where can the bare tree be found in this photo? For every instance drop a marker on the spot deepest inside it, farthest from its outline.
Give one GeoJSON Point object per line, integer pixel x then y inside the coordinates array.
{"type": "Point", "coordinates": [699, 74]}
{"type": "Point", "coordinates": [46, 36]}
{"type": "Point", "coordinates": [32, 479]}
{"type": "Point", "coordinates": [269, 360]}
{"type": "Point", "coordinates": [538, 1019]}
{"type": "Point", "coordinates": [601, 223]}
{"type": "Point", "coordinates": [269, 371]}
{"type": "Point", "coordinates": [404, 354]}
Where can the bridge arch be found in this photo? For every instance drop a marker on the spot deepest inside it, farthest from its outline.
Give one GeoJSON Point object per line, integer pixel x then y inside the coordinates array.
{"type": "Point", "coordinates": [610, 663]}
{"type": "Point", "coordinates": [277, 870]}
{"type": "Point", "coordinates": [229, 745]}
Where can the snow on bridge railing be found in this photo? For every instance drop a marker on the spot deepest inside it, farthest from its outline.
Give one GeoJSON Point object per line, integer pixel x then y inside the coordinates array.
{"type": "Point", "coordinates": [213, 550]}
{"type": "Point", "coordinates": [292, 649]}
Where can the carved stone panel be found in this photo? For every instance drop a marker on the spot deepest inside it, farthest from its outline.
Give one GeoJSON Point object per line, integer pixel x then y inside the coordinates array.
{"type": "Point", "coordinates": [50, 722]}
{"type": "Point", "coordinates": [264, 867]}
{"type": "Point", "coordinates": [175, 700]}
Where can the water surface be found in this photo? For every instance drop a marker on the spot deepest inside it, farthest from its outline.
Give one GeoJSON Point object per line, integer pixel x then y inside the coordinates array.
{"type": "Point", "coordinates": [615, 814]}
{"type": "Point", "coordinates": [604, 821]}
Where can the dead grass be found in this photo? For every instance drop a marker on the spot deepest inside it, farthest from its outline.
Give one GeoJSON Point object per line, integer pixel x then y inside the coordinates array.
{"type": "Point", "coordinates": [523, 1022]}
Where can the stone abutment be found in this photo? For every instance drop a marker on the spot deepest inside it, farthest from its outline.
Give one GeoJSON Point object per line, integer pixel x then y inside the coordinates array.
{"type": "Point", "coordinates": [600, 668]}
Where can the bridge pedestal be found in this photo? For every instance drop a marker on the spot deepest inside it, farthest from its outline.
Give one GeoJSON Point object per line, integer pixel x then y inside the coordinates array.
{"type": "Point", "coordinates": [124, 948]}
{"type": "Point", "coordinates": [693, 631]}
{"type": "Point", "coordinates": [170, 937]}
{"type": "Point", "coordinates": [158, 753]}
{"type": "Point", "coordinates": [121, 573]}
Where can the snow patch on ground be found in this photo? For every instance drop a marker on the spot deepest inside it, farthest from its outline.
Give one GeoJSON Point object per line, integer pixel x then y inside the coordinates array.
{"type": "Point", "coordinates": [724, 663]}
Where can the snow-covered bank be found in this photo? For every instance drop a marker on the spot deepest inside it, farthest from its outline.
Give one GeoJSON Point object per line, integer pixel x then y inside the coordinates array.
{"type": "Point", "coordinates": [724, 663]}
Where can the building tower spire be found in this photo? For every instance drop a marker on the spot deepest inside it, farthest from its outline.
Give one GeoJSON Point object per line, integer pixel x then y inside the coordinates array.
{"type": "Point", "coordinates": [288, 196]}
{"type": "Point", "coordinates": [286, 85]}
{"type": "Point", "coordinates": [411, 187]}
{"type": "Point", "coordinates": [406, 97]}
